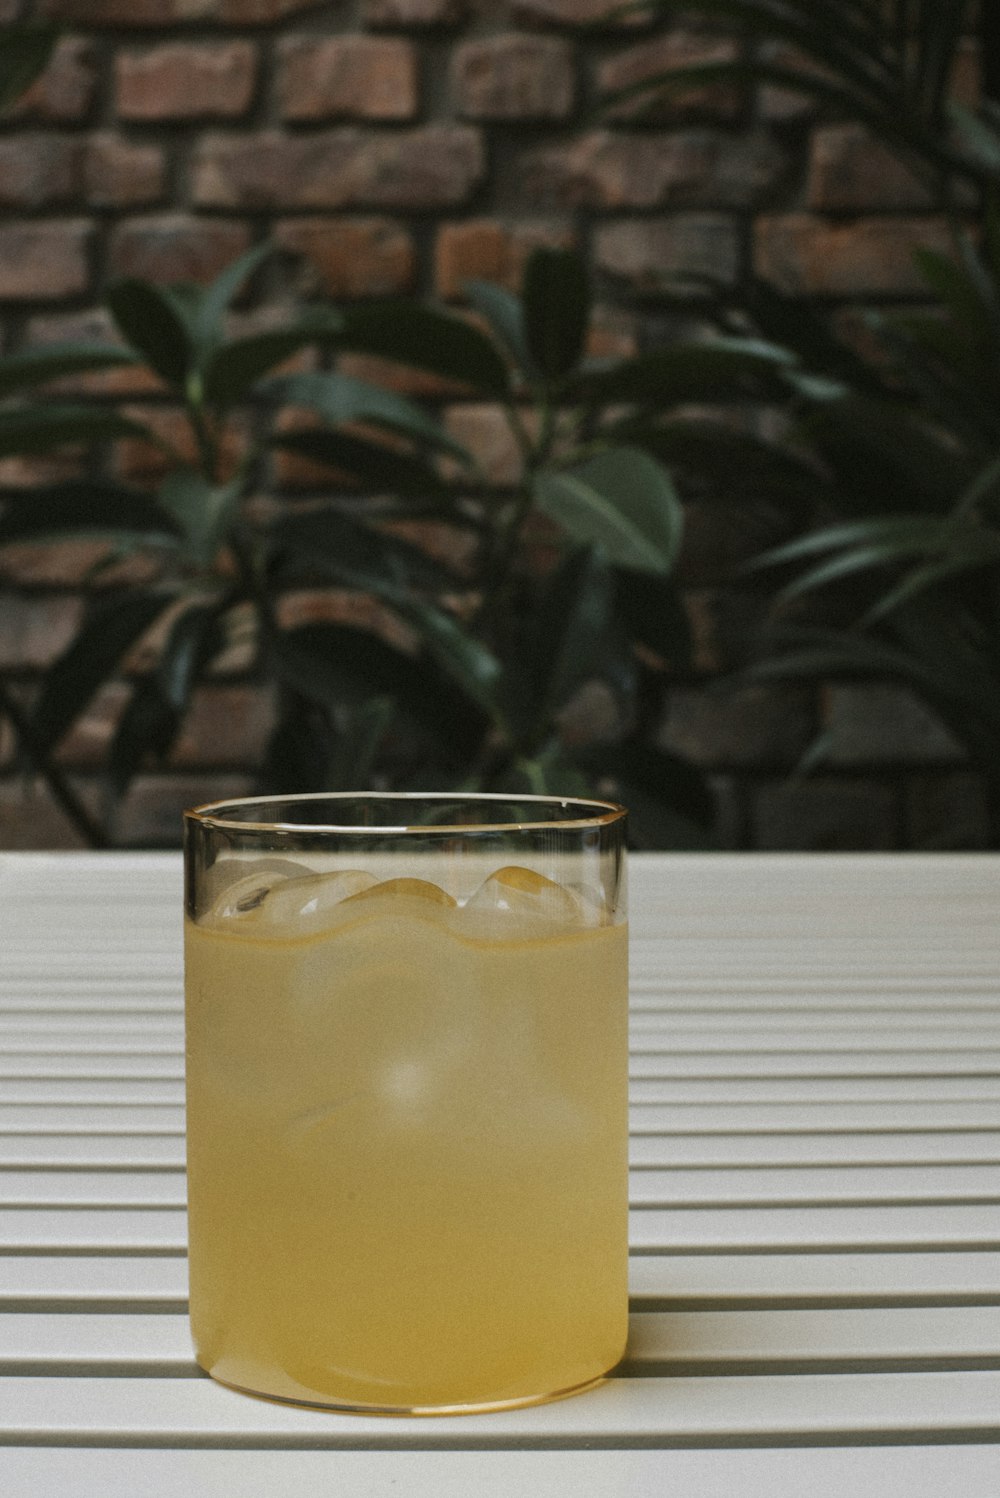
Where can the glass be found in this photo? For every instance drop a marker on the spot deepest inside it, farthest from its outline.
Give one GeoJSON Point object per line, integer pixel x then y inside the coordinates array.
{"type": "Point", "coordinates": [407, 1066]}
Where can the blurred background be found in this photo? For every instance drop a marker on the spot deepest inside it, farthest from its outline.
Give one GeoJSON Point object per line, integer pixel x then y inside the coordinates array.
{"type": "Point", "coordinates": [520, 396]}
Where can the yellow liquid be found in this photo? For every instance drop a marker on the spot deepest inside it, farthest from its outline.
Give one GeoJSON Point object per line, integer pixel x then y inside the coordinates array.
{"type": "Point", "coordinates": [407, 1155]}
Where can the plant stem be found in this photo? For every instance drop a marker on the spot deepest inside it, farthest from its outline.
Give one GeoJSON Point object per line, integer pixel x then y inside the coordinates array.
{"type": "Point", "coordinates": [62, 792]}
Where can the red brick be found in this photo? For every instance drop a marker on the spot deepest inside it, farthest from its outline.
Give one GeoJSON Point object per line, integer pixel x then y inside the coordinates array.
{"type": "Point", "coordinates": [584, 13]}
{"type": "Point", "coordinates": [353, 257]}
{"type": "Point", "coordinates": [174, 247]}
{"type": "Point", "coordinates": [824, 815]}
{"type": "Point", "coordinates": [101, 13]}
{"type": "Point", "coordinates": [748, 726]}
{"type": "Point", "coordinates": [186, 80]}
{"type": "Point", "coordinates": [86, 745]}
{"type": "Point", "coordinates": [485, 432]}
{"type": "Point", "coordinates": [61, 564]}
{"type": "Point", "coordinates": [44, 260]}
{"type": "Point", "coordinates": [875, 724]}
{"type": "Point", "coordinates": [29, 472]}
{"type": "Point", "coordinates": [226, 725]}
{"type": "Point", "coordinates": [781, 105]}
{"type": "Point", "coordinates": [852, 171]}
{"type": "Point", "coordinates": [95, 325]}
{"type": "Point", "coordinates": [65, 90]}
{"type": "Point", "coordinates": [604, 169]}
{"type": "Point", "coordinates": [724, 624]}
{"type": "Point", "coordinates": [37, 171]}
{"type": "Point", "coordinates": [678, 49]}
{"type": "Point", "coordinates": [119, 174]}
{"type": "Point", "coordinates": [414, 12]}
{"type": "Point", "coordinates": [159, 13]}
{"type": "Point", "coordinates": [514, 77]}
{"type": "Point", "coordinates": [261, 12]}
{"type": "Point", "coordinates": [352, 77]}
{"type": "Point", "coordinates": [485, 250]}
{"type": "Point", "coordinates": [867, 257]}
{"type": "Point", "coordinates": [721, 537]}
{"type": "Point", "coordinates": [967, 75]}
{"type": "Point", "coordinates": [946, 813]}
{"type": "Point", "coordinates": [29, 818]}
{"type": "Point", "coordinates": [432, 166]}
{"type": "Point", "coordinates": [36, 629]}
{"type": "Point", "coordinates": [613, 333]}
{"type": "Point", "coordinates": [399, 377]}
{"type": "Point", "coordinates": [138, 461]}
{"type": "Point", "coordinates": [343, 606]}
{"type": "Point", "coordinates": [151, 816]}
{"type": "Point", "coordinates": [647, 253]}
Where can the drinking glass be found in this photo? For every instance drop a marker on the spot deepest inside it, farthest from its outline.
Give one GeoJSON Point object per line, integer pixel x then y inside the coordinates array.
{"type": "Point", "coordinates": [406, 1097]}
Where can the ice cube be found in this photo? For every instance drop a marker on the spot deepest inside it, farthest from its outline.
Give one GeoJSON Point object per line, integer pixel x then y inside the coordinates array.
{"type": "Point", "coordinates": [235, 885]}
{"type": "Point", "coordinates": [409, 889]}
{"type": "Point", "coordinates": [516, 904]}
{"type": "Point", "coordinates": [279, 903]}
{"type": "Point", "coordinates": [300, 907]}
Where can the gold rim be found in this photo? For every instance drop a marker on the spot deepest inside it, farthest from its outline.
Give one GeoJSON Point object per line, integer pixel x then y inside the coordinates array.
{"type": "Point", "coordinates": [214, 813]}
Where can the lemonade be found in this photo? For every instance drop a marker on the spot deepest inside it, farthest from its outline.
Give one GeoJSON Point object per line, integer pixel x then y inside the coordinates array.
{"type": "Point", "coordinates": [407, 1139]}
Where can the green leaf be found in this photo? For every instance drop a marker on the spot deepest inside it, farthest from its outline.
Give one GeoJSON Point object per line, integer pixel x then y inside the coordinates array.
{"type": "Point", "coordinates": [886, 456]}
{"type": "Point", "coordinates": [716, 369]}
{"type": "Point", "coordinates": [710, 453]}
{"type": "Point", "coordinates": [341, 399]}
{"type": "Point", "coordinates": [149, 319]}
{"type": "Point", "coordinates": [372, 465]}
{"type": "Point", "coordinates": [574, 628]}
{"type": "Point", "coordinates": [203, 510]}
{"type": "Point", "coordinates": [25, 50]}
{"type": "Point", "coordinates": [651, 608]}
{"type": "Point", "coordinates": [234, 368]}
{"type": "Point", "coordinates": [899, 536]}
{"type": "Point", "coordinates": [620, 500]}
{"type": "Point", "coordinates": [955, 287]}
{"type": "Point", "coordinates": [805, 332]}
{"type": "Point", "coordinates": [353, 553]}
{"type": "Point", "coordinates": [966, 704]}
{"type": "Point", "coordinates": [505, 316]}
{"type": "Point", "coordinates": [37, 366]}
{"type": "Point", "coordinates": [156, 707]}
{"type": "Point", "coordinates": [940, 29]}
{"type": "Point", "coordinates": [556, 298]}
{"type": "Point", "coordinates": [670, 803]}
{"type": "Point", "coordinates": [214, 302]}
{"type": "Point", "coordinates": [112, 626]}
{"type": "Point", "coordinates": [572, 634]}
{"type": "Point", "coordinates": [978, 137]}
{"type": "Point", "coordinates": [429, 339]}
{"type": "Point", "coordinates": [40, 428]}
{"type": "Point", "coordinates": [469, 663]}
{"type": "Point", "coordinates": [297, 758]}
{"type": "Point", "coordinates": [148, 725]}
{"type": "Point", "coordinates": [194, 638]}
{"type": "Point", "coordinates": [355, 747]}
{"type": "Point", "coordinates": [86, 507]}
{"type": "Point", "coordinates": [338, 666]}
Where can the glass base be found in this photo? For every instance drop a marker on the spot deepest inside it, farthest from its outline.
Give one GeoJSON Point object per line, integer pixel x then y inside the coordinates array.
{"type": "Point", "coordinates": [352, 1407]}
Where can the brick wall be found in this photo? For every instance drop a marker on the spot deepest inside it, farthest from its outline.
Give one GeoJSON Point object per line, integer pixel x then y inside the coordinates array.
{"type": "Point", "coordinates": [400, 146]}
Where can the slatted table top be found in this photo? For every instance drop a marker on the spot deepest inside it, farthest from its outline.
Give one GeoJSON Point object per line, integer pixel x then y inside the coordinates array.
{"type": "Point", "coordinates": [815, 1204]}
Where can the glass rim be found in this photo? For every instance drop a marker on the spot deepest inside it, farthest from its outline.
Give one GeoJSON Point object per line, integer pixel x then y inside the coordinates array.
{"type": "Point", "coordinates": [213, 814]}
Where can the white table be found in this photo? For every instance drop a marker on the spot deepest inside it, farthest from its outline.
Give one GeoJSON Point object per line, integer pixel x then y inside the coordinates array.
{"type": "Point", "coordinates": [816, 1205]}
